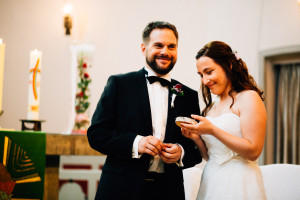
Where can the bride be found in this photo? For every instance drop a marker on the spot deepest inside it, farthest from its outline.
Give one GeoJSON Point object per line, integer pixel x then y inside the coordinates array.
{"type": "Point", "coordinates": [232, 128]}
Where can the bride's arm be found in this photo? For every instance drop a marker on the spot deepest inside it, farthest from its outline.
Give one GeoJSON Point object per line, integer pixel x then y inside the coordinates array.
{"type": "Point", "coordinates": [253, 118]}
{"type": "Point", "coordinates": [198, 142]}
{"type": "Point", "coordinates": [201, 148]}
{"type": "Point", "coordinates": [253, 124]}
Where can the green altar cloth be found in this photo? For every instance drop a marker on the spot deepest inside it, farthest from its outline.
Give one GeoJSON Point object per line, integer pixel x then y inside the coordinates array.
{"type": "Point", "coordinates": [22, 167]}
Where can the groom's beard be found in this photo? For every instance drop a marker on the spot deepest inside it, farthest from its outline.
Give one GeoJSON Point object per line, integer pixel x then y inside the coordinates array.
{"type": "Point", "coordinates": [162, 71]}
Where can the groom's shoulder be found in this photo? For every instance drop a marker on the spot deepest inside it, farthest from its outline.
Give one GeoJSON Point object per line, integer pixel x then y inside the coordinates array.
{"type": "Point", "coordinates": [126, 77]}
{"type": "Point", "coordinates": [127, 74]}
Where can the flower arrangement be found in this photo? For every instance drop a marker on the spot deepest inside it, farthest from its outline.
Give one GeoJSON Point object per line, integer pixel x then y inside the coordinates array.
{"type": "Point", "coordinates": [237, 55]}
{"type": "Point", "coordinates": [6, 183]}
{"type": "Point", "coordinates": [82, 96]}
{"type": "Point", "coordinates": [176, 91]}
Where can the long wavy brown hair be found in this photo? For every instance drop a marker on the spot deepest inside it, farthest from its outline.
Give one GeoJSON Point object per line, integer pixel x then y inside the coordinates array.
{"type": "Point", "coordinates": [234, 67]}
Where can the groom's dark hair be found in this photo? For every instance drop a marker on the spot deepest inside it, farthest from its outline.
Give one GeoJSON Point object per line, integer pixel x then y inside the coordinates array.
{"type": "Point", "coordinates": [158, 25]}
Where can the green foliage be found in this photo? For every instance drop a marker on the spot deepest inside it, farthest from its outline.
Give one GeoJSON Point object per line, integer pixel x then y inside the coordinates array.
{"type": "Point", "coordinates": [82, 96]}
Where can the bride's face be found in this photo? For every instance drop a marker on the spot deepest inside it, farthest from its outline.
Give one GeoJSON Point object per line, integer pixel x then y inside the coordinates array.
{"type": "Point", "coordinates": [213, 76]}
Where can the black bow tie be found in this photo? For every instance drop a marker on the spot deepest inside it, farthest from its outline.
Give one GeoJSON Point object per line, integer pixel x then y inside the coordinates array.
{"type": "Point", "coordinates": [162, 81]}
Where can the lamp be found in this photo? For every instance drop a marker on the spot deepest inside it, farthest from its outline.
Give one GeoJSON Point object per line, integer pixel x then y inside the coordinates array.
{"type": "Point", "coordinates": [68, 19]}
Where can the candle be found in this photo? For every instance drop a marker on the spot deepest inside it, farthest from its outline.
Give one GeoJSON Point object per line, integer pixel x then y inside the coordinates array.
{"type": "Point", "coordinates": [34, 85]}
{"type": "Point", "coordinates": [2, 54]}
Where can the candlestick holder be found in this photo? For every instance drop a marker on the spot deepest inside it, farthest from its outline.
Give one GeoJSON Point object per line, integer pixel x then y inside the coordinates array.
{"type": "Point", "coordinates": [68, 24]}
{"type": "Point", "coordinates": [36, 125]}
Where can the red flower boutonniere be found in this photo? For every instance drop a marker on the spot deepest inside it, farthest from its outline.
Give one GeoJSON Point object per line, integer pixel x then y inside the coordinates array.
{"type": "Point", "coordinates": [176, 91]}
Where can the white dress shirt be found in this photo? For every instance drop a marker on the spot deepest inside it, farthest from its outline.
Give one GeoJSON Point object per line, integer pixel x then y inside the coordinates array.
{"type": "Point", "coordinates": [158, 97]}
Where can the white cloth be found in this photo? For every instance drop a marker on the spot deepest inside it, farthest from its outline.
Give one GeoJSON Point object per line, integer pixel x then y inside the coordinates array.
{"type": "Point", "coordinates": [192, 178]}
{"type": "Point", "coordinates": [281, 181]}
{"type": "Point", "coordinates": [158, 97]}
{"type": "Point", "coordinates": [226, 174]}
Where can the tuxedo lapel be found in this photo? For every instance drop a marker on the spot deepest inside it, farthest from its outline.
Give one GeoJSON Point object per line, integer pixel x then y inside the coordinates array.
{"type": "Point", "coordinates": [143, 98]}
{"type": "Point", "coordinates": [171, 115]}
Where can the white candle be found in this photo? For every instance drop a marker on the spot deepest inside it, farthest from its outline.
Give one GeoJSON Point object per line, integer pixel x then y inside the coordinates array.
{"type": "Point", "coordinates": [34, 85]}
{"type": "Point", "coordinates": [2, 54]}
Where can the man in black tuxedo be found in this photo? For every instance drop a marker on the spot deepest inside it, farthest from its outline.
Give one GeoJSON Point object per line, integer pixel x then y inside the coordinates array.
{"type": "Point", "coordinates": [134, 125]}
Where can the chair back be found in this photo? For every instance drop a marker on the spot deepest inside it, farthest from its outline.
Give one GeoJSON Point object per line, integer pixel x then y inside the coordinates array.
{"type": "Point", "coordinates": [281, 181]}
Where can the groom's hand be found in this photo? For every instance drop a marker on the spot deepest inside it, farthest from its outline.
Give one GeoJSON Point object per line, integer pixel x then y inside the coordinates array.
{"type": "Point", "coordinates": [150, 145]}
{"type": "Point", "coordinates": [171, 153]}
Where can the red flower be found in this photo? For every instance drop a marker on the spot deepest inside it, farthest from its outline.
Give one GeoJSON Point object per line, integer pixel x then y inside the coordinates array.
{"type": "Point", "coordinates": [177, 90]}
{"type": "Point", "coordinates": [178, 86]}
{"type": "Point", "coordinates": [77, 107]}
{"type": "Point", "coordinates": [84, 65]}
{"type": "Point", "coordinates": [86, 75]}
{"type": "Point", "coordinates": [80, 94]}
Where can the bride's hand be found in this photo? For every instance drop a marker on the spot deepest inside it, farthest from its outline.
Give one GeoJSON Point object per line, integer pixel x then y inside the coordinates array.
{"type": "Point", "coordinates": [203, 127]}
{"type": "Point", "coordinates": [185, 132]}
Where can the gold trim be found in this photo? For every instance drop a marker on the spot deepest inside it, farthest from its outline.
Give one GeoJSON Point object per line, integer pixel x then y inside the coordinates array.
{"type": "Point", "coordinates": [35, 179]}
{"type": "Point", "coordinates": [23, 199]}
{"type": "Point", "coordinates": [27, 177]}
{"type": "Point", "coordinates": [7, 143]}
{"type": "Point", "coordinates": [15, 162]}
{"type": "Point", "coordinates": [20, 159]}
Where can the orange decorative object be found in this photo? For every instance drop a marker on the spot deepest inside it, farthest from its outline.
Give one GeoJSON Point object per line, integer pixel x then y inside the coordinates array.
{"type": "Point", "coordinates": [34, 78]}
{"type": "Point", "coordinates": [35, 108]}
{"type": "Point", "coordinates": [35, 69]}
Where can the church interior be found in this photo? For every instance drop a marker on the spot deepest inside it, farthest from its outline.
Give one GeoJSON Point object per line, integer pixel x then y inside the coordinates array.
{"type": "Point", "coordinates": [56, 57]}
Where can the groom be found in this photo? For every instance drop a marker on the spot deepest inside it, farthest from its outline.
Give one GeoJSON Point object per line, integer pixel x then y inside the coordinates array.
{"type": "Point", "coordinates": [134, 125]}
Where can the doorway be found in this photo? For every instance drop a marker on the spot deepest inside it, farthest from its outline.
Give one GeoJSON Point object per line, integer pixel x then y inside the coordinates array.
{"type": "Point", "coordinates": [280, 146]}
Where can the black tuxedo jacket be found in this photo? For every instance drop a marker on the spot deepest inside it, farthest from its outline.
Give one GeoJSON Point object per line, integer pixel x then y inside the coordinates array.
{"type": "Point", "coordinates": [122, 113]}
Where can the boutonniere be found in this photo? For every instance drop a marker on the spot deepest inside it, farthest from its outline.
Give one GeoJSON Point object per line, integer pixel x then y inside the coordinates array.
{"type": "Point", "coordinates": [176, 91]}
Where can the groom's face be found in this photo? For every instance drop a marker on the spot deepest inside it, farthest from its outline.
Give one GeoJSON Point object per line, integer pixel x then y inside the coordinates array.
{"type": "Point", "coordinates": [161, 51]}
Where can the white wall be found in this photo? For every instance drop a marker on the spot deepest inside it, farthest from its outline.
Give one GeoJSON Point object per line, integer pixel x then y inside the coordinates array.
{"type": "Point", "coordinates": [115, 28]}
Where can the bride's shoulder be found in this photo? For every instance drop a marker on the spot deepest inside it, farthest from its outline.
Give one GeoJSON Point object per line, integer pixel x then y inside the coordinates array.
{"type": "Point", "coordinates": [248, 98]}
{"type": "Point", "coordinates": [249, 103]}
{"type": "Point", "coordinates": [247, 95]}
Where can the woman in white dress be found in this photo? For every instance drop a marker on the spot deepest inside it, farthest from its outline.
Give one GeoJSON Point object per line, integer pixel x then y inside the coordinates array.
{"type": "Point", "coordinates": [232, 128]}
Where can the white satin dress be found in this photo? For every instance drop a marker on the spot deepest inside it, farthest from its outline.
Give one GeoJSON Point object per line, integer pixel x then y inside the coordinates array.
{"type": "Point", "coordinates": [226, 174]}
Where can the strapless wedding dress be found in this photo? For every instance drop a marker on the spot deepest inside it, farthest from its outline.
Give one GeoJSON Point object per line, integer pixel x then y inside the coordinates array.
{"type": "Point", "coordinates": [226, 174]}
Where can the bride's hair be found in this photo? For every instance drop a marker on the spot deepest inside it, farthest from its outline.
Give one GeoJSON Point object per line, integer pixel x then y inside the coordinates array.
{"type": "Point", "coordinates": [234, 67]}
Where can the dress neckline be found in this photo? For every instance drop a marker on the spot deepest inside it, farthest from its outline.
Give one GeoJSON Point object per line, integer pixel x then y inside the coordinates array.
{"type": "Point", "coordinates": [228, 113]}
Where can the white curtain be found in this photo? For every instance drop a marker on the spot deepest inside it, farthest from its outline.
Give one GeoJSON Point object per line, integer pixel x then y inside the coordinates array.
{"type": "Point", "coordinates": [287, 117]}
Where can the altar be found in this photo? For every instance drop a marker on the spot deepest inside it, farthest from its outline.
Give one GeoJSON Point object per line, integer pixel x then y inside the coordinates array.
{"type": "Point", "coordinates": [41, 152]}
{"type": "Point", "coordinates": [57, 145]}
